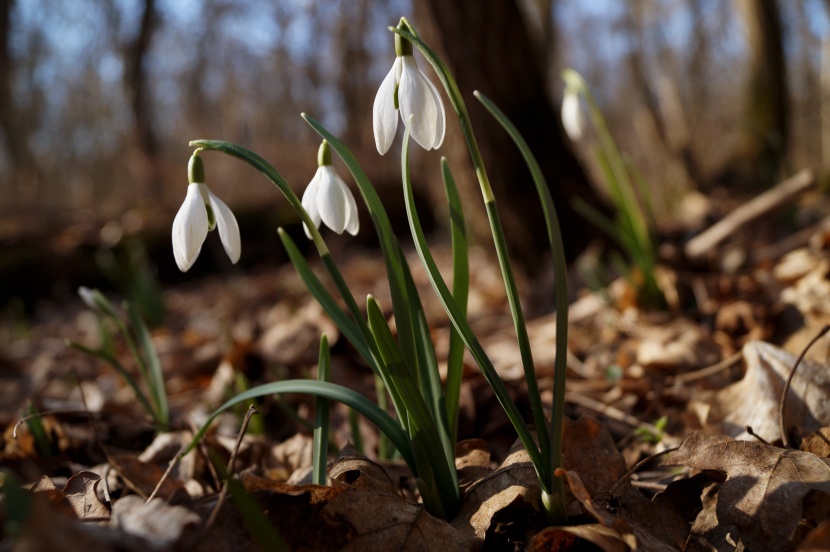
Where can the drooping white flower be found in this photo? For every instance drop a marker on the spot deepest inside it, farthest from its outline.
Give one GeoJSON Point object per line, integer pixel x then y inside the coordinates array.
{"type": "Point", "coordinates": [328, 199]}
{"type": "Point", "coordinates": [572, 115]}
{"type": "Point", "coordinates": [407, 88]}
{"type": "Point", "coordinates": [201, 212]}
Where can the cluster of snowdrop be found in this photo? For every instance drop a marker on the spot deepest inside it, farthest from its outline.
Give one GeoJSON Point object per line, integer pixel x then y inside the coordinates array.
{"type": "Point", "coordinates": [424, 429]}
{"type": "Point", "coordinates": [327, 199]}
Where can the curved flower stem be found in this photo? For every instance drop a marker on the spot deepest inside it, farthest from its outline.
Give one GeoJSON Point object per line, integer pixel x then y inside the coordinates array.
{"type": "Point", "coordinates": [459, 322]}
{"type": "Point", "coordinates": [560, 273]}
{"type": "Point", "coordinates": [454, 94]}
{"type": "Point", "coordinates": [266, 169]}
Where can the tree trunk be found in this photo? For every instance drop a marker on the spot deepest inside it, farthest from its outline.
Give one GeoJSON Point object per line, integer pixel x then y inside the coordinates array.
{"type": "Point", "coordinates": [488, 48]}
{"type": "Point", "coordinates": [14, 130]}
{"type": "Point", "coordinates": [762, 144]}
{"type": "Point", "coordinates": [136, 81]}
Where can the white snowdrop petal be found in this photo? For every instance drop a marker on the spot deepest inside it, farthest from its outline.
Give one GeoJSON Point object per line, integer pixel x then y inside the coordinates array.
{"type": "Point", "coordinates": [352, 218]}
{"type": "Point", "coordinates": [190, 228]}
{"type": "Point", "coordinates": [416, 98]}
{"type": "Point", "coordinates": [310, 202]}
{"type": "Point", "coordinates": [384, 114]}
{"type": "Point", "coordinates": [228, 228]}
{"type": "Point", "coordinates": [441, 126]}
{"type": "Point", "coordinates": [331, 199]}
{"type": "Point", "coordinates": [571, 115]}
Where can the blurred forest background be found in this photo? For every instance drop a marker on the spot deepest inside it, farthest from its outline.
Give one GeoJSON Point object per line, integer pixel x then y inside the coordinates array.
{"type": "Point", "coordinates": [99, 98]}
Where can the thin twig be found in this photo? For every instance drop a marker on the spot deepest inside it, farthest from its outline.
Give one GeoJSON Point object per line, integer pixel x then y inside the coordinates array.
{"type": "Point", "coordinates": [167, 472]}
{"type": "Point", "coordinates": [750, 211]}
{"type": "Point", "coordinates": [637, 466]}
{"type": "Point", "coordinates": [217, 481]}
{"type": "Point", "coordinates": [618, 415]}
{"type": "Point", "coordinates": [229, 472]}
{"type": "Point", "coordinates": [709, 370]}
{"type": "Point", "coordinates": [751, 432]}
{"type": "Point", "coordinates": [785, 441]}
{"type": "Point", "coordinates": [46, 413]}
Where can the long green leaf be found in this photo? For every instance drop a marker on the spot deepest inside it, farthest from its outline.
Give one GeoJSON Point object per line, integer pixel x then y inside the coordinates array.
{"type": "Point", "coordinates": [496, 229]}
{"type": "Point", "coordinates": [460, 293]}
{"type": "Point", "coordinates": [155, 373]}
{"type": "Point", "coordinates": [436, 464]}
{"type": "Point", "coordinates": [370, 410]}
{"type": "Point", "coordinates": [560, 271]}
{"type": "Point", "coordinates": [389, 246]}
{"type": "Point", "coordinates": [459, 321]}
{"type": "Point", "coordinates": [118, 367]}
{"type": "Point", "coordinates": [320, 444]}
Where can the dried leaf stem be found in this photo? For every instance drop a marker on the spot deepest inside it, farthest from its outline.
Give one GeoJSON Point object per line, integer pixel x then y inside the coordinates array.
{"type": "Point", "coordinates": [785, 441]}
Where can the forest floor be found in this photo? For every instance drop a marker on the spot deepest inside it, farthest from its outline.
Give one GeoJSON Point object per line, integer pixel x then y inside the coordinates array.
{"type": "Point", "coordinates": [689, 396]}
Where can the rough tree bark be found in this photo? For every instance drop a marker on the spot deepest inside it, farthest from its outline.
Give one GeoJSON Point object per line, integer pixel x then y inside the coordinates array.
{"type": "Point", "coordinates": [15, 132]}
{"type": "Point", "coordinates": [762, 144]}
{"type": "Point", "coordinates": [488, 48]}
{"type": "Point", "coordinates": [136, 82]}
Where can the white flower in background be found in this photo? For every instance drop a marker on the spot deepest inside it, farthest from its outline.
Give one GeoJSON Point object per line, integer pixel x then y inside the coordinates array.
{"type": "Point", "coordinates": [328, 199]}
{"type": "Point", "coordinates": [201, 212]}
{"type": "Point", "coordinates": [571, 115]}
{"type": "Point", "coordinates": [406, 87]}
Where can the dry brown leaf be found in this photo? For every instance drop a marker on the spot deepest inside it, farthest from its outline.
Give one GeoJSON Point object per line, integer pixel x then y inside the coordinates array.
{"type": "Point", "coordinates": [707, 533]}
{"type": "Point", "coordinates": [81, 492]}
{"type": "Point", "coordinates": [764, 487]}
{"type": "Point", "coordinates": [293, 336]}
{"type": "Point", "coordinates": [49, 529]}
{"type": "Point", "coordinates": [754, 400]}
{"type": "Point", "coordinates": [142, 477]}
{"type": "Point", "coordinates": [579, 491]}
{"type": "Point", "coordinates": [472, 460]}
{"type": "Point", "coordinates": [606, 538]}
{"type": "Point", "coordinates": [361, 510]}
{"type": "Point", "coordinates": [165, 447]}
{"type": "Point", "coordinates": [817, 443]}
{"type": "Point", "coordinates": [157, 522]}
{"type": "Point", "coordinates": [515, 480]}
{"type": "Point", "coordinates": [290, 457]}
{"type": "Point", "coordinates": [674, 345]}
{"type": "Point", "coordinates": [817, 540]}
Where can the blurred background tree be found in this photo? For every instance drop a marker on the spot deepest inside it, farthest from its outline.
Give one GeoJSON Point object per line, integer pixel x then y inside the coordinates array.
{"type": "Point", "coordinates": [99, 98]}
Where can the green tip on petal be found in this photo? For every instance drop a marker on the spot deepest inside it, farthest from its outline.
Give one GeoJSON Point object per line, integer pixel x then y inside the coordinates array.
{"type": "Point", "coordinates": [196, 169]}
{"type": "Point", "coordinates": [324, 154]}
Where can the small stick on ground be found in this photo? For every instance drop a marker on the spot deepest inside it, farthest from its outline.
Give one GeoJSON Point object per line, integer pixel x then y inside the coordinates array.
{"type": "Point", "coordinates": [167, 473]}
{"type": "Point", "coordinates": [217, 481]}
{"type": "Point", "coordinates": [785, 441]}
{"type": "Point", "coordinates": [637, 466]}
{"type": "Point", "coordinates": [43, 413]}
{"type": "Point", "coordinates": [772, 199]}
{"type": "Point", "coordinates": [751, 432]}
{"type": "Point", "coordinates": [709, 370]}
{"type": "Point", "coordinates": [618, 415]}
{"type": "Point", "coordinates": [229, 472]}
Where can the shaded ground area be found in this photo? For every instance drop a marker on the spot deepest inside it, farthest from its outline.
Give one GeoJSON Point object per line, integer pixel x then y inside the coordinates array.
{"type": "Point", "coordinates": [638, 383]}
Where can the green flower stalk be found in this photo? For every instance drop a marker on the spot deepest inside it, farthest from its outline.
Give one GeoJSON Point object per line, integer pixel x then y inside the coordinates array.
{"type": "Point", "coordinates": [633, 224]}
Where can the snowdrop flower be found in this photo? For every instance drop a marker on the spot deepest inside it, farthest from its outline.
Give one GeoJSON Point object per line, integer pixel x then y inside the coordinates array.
{"type": "Point", "coordinates": [571, 114]}
{"type": "Point", "coordinates": [201, 212]}
{"type": "Point", "coordinates": [328, 199]}
{"type": "Point", "coordinates": [406, 87]}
